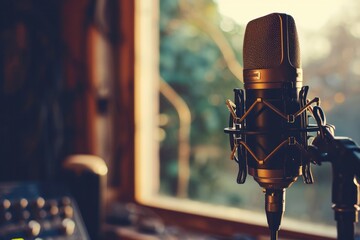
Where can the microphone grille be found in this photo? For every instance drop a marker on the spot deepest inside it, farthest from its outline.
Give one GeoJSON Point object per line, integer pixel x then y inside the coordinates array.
{"type": "Point", "coordinates": [271, 40]}
{"type": "Point", "coordinates": [293, 44]}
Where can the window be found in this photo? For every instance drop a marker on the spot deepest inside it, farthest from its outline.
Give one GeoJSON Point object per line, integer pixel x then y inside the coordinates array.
{"type": "Point", "coordinates": [188, 60]}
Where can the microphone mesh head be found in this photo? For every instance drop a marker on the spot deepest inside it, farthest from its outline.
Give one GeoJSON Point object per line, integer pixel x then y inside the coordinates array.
{"type": "Point", "coordinates": [270, 41]}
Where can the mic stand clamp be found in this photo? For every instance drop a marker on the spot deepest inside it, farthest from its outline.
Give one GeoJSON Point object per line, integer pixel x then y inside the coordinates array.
{"type": "Point", "coordinates": [344, 155]}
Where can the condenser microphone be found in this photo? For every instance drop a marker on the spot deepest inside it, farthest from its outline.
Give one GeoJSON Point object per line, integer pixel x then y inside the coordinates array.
{"type": "Point", "coordinates": [272, 81]}
{"type": "Point", "coordinates": [269, 131]}
{"type": "Point", "coordinates": [272, 73]}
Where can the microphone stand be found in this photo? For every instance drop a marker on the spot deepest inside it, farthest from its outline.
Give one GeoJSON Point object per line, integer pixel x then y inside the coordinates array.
{"type": "Point", "coordinates": [344, 155]}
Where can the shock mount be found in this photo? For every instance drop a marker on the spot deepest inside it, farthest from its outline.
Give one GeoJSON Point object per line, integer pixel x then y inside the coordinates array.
{"type": "Point", "coordinates": [342, 152]}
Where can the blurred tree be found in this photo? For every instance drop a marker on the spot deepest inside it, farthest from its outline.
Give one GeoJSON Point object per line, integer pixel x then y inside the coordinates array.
{"type": "Point", "coordinates": [199, 63]}
{"type": "Point", "coordinates": [335, 76]}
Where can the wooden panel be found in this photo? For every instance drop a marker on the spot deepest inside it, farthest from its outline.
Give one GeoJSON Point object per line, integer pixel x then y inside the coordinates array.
{"type": "Point", "coordinates": [80, 99]}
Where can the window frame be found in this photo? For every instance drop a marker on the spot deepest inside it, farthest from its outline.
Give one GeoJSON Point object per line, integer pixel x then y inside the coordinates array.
{"type": "Point", "coordinates": [131, 168]}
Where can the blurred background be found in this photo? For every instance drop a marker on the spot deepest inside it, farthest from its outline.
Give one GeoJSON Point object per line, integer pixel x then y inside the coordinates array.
{"type": "Point", "coordinates": [77, 77]}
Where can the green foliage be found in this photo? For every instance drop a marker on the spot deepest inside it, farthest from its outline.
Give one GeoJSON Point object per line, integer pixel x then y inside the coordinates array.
{"type": "Point", "coordinates": [193, 65]}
